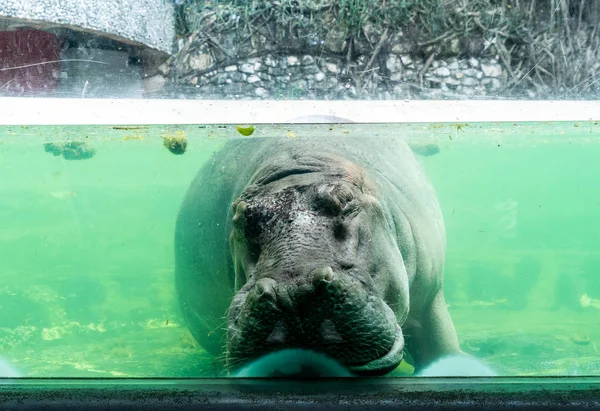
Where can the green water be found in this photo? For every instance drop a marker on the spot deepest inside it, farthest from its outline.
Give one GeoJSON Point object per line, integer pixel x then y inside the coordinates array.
{"type": "Point", "coordinates": [86, 246]}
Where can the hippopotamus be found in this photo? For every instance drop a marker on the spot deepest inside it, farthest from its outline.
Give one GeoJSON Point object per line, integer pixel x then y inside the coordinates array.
{"type": "Point", "coordinates": [7, 370]}
{"type": "Point", "coordinates": [333, 245]}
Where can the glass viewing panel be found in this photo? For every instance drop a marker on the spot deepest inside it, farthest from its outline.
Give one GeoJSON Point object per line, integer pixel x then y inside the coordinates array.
{"type": "Point", "coordinates": [89, 217]}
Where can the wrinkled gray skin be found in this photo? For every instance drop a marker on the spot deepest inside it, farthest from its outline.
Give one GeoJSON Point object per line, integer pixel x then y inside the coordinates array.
{"type": "Point", "coordinates": [332, 245]}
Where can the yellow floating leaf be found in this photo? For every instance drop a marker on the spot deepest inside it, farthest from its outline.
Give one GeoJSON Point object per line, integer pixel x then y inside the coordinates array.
{"type": "Point", "coordinates": [245, 130]}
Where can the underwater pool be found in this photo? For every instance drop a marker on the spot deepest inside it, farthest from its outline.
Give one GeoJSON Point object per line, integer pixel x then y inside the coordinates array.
{"type": "Point", "coordinates": [88, 216]}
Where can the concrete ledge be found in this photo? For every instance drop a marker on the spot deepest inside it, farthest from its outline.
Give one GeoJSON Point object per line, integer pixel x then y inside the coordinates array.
{"type": "Point", "coordinates": [137, 22]}
{"type": "Point", "coordinates": [56, 111]}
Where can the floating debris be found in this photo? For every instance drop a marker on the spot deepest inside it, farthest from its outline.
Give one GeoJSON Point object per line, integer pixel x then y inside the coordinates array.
{"type": "Point", "coordinates": [132, 137]}
{"type": "Point", "coordinates": [580, 339]}
{"type": "Point", "coordinates": [131, 128]}
{"type": "Point", "coordinates": [587, 301]}
{"type": "Point", "coordinates": [176, 142]}
{"type": "Point", "coordinates": [245, 130]}
{"type": "Point", "coordinates": [425, 150]}
{"type": "Point", "coordinates": [71, 150]}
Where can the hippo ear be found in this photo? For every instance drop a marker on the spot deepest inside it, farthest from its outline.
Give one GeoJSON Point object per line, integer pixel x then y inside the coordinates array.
{"type": "Point", "coordinates": [320, 119]}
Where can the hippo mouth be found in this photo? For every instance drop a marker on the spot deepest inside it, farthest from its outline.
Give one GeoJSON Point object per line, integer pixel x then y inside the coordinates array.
{"type": "Point", "coordinates": [384, 364]}
{"type": "Point", "coordinates": [349, 341]}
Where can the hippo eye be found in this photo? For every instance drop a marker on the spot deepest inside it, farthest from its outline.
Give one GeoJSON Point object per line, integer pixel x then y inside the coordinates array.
{"type": "Point", "coordinates": [351, 211]}
{"type": "Point", "coordinates": [332, 199]}
{"type": "Point", "coordinates": [343, 194]}
{"type": "Point", "coordinates": [246, 220]}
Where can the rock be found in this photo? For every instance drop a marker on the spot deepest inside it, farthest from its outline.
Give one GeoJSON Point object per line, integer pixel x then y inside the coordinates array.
{"type": "Point", "coordinates": [236, 76]}
{"type": "Point", "coordinates": [233, 67]}
{"type": "Point", "coordinates": [409, 74]}
{"type": "Point", "coordinates": [265, 77]}
{"type": "Point", "coordinates": [400, 45]}
{"type": "Point", "coordinates": [247, 68]}
{"type": "Point", "coordinates": [401, 91]}
{"type": "Point", "coordinates": [156, 83]}
{"type": "Point", "coordinates": [335, 38]}
{"type": "Point", "coordinates": [433, 82]}
{"type": "Point", "coordinates": [492, 84]}
{"type": "Point", "coordinates": [253, 79]}
{"type": "Point", "coordinates": [469, 81]}
{"type": "Point", "coordinates": [261, 92]}
{"type": "Point", "coordinates": [257, 66]}
{"type": "Point", "coordinates": [269, 61]}
{"type": "Point", "coordinates": [275, 71]}
{"type": "Point", "coordinates": [312, 69]}
{"type": "Point", "coordinates": [470, 72]}
{"type": "Point", "coordinates": [463, 65]}
{"type": "Point", "coordinates": [396, 76]}
{"type": "Point", "coordinates": [164, 68]}
{"type": "Point", "coordinates": [491, 70]}
{"type": "Point", "coordinates": [454, 47]}
{"type": "Point", "coordinates": [201, 62]}
{"type": "Point", "coordinates": [194, 81]}
{"type": "Point", "coordinates": [459, 75]}
{"type": "Point", "coordinates": [391, 63]}
{"type": "Point", "coordinates": [320, 76]}
{"type": "Point", "coordinates": [451, 82]}
{"type": "Point", "coordinates": [442, 72]}
{"type": "Point", "coordinates": [332, 68]}
{"type": "Point", "coordinates": [406, 59]}
{"type": "Point", "coordinates": [307, 60]}
{"type": "Point", "coordinates": [292, 61]}
{"type": "Point", "coordinates": [220, 78]}
{"type": "Point", "coordinates": [453, 65]}
{"type": "Point", "coordinates": [435, 64]}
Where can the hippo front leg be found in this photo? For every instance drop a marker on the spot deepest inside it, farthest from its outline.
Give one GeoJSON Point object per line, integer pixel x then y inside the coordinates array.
{"type": "Point", "coordinates": [430, 335]}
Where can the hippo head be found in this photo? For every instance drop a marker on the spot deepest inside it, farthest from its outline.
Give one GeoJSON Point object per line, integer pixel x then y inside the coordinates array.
{"type": "Point", "coordinates": [317, 266]}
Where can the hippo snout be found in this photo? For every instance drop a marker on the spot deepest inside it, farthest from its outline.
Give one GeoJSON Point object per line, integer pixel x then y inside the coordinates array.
{"type": "Point", "coordinates": [328, 311]}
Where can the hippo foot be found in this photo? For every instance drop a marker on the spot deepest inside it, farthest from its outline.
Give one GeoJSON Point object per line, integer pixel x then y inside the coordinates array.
{"type": "Point", "coordinates": [293, 363]}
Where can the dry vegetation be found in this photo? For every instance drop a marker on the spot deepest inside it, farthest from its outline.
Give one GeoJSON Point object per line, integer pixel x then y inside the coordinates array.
{"type": "Point", "coordinates": [552, 46]}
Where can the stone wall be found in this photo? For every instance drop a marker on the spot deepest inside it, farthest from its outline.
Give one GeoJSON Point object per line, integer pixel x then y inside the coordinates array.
{"type": "Point", "coordinates": [293, 76]}
{"type": "Point", "coordinates": [386, 50]}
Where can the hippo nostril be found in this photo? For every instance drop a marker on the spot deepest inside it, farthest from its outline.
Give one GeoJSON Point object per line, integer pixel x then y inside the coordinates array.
{"type": "Point", "coordinates": [278, 334]}
{"type": "Point", "coordinates": [323, 275]}
{"type": "Point", "coordinates": [265, 288]}
{"type": "Point", "coordinates": [329, 333]}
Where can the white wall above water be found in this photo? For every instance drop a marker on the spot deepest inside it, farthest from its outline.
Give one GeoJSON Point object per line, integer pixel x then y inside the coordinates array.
{"type": "Point", "coordinates": [56, 111]}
